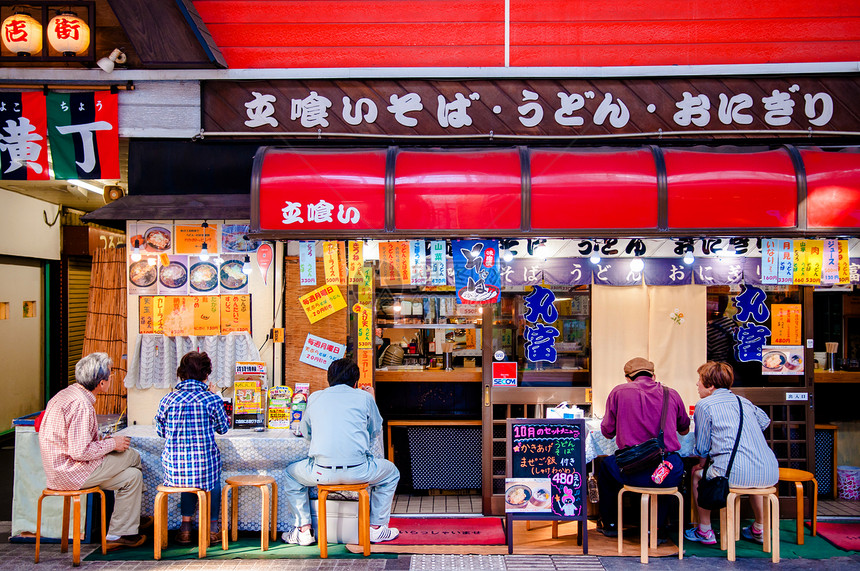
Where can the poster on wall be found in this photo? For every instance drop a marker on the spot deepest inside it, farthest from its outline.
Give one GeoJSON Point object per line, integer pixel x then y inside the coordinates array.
{"type": "Point", "coordinates": [203, 276]}
{"type": "Point", "coordinates": [785, 323]}
{"type": "Point", "coordinates": [231, 276]}
{"type": "Point", "coordinates": [782, 360]}
{"type": "Point", "coordinates": [234, 239]}
{"type": "Point", "coordinates": [143, 275]}
{"type": "Point", "coordinates": [318, 352]}
{"type": "Point", "coordinates": [178, 316]}
{"type": "Point", "coordinates": [207, 314]}
{"type": "Point", "coordinates": [190, 239]}
{"type": "Point", "coordinates": [476, 271]}
{"type": "Point", "coordinates": [235, 313]}
{"type": "Point", "coordinates": [151, 314]}
{"type": "Point", "coordinates": [173, 274]}
{"type": "Point", "coordinates": [156, 238]}
{"type": "Point", "coordinates": [322, 302]}
{"type": "Point", "coordinates": [307, 263]}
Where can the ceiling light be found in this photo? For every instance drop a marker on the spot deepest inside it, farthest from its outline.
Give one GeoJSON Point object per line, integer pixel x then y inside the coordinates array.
{"type": "Point", "coordinates": [204, 252]}
{"type": "Point", "coordinates": [637, 265]}
{"type": "Point", "coordinates": [135, 254]}
{"type": "Point", "coordinates": [507, 256]}
{"type": "Point", "coordinates": [107, 63]}
{"type": "Point", "coordinates": [87, 185]}
{"type": "Point", "coordinates": [595, 258]}
{"type": "Point", "coordinates": [246, 267]}
{"type": "Point", "coordinates": [688, 258]}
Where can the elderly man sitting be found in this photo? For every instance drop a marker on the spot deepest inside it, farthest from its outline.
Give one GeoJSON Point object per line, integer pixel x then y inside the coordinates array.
{"type": "Point", "coordinates": [74, 457]}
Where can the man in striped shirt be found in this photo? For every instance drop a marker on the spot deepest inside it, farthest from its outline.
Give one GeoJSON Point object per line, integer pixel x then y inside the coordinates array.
{"type": "Point", "coordinates": [75, 457]}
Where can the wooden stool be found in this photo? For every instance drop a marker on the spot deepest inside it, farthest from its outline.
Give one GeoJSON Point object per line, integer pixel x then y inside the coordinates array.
{"type": "Point", "coordinates": [644, 512]}
{"type": "Point", "coordinates": [363, 514]}
{"type": "Point", "coordinates": [75, 496]}
{"type": "Point", "coordinates": [730, 518]}
{"type": "Point", "coordinates": [799, 477]}
{"type": "Point", "coordinates": [160, 523]}
{"type": "Point", "coordinates": [262, 482]}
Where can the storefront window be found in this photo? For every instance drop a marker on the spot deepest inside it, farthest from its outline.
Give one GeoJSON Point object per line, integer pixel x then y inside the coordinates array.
{"type": "Point", "coordinates": [758, 330]}
{"type": "Point", "coordinates": [564, 361]}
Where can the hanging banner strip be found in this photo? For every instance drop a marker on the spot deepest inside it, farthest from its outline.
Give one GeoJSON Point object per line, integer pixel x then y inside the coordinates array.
{"type": "Point", "coordinates": [830, 263]}
{"type": "Point", "coordinates": [785, 255]}
{"type": "Point", "coordinates": [365, 326]}
{"type": "Point", "coordinates": [332, 262]}
{"type": "Point", "coordinates": [801, 263]}
{"type": "Point", "coordinates": [417, 262]}
{"type": "Point", "coordinates": [438, 273]}
{"type": "Point", "coordinates": [356, 261]}
{"type": "Point", "coordinates": [848, 269]}
{"type": "Point", "coordinates": [307, 263]}
{"type": "Point", "coordinates": [769, 262]}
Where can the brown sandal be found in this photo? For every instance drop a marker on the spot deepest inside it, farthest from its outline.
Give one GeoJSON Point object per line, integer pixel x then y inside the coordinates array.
{"type": "Point", "coordinates": [183, 537]}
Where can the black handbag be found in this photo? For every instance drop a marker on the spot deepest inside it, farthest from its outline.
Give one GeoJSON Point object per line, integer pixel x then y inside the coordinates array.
{"type": "Point", "coordinates": [713, 492]}
{"type": "Point", "coordinates": [647, 455]}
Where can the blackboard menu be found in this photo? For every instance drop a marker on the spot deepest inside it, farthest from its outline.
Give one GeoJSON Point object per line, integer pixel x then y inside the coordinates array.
{"type": "Point", "coordinates": [546, 455]}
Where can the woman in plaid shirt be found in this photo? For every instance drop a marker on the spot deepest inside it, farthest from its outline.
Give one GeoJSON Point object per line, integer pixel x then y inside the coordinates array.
{"type": "Point", "coordinates": [188, 418]}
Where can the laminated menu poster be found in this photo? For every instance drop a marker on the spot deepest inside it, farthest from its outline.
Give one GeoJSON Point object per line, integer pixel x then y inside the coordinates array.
{"type": "Point", "coordinates": [280, 401]}
{"type": "Point", "coordinates": [249, 395]}
{"type": "Point", "coordinates": [300, 403]}
{"type": "Point", "coordinates": [545, 476]}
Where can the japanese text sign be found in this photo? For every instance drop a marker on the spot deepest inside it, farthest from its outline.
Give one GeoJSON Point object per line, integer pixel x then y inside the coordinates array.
{"type": "Point", "coordinates": [476, 270]}
{"type": "Point", "coordinates": [785, 323]}
{"type": "Point", "coordinates": [307, 263]}
{"type": "Point", "coordinates": [322, 302]}
{"type": "Point", "coordinates": [235, 313]}
{"type": "Point", "coordinates": [318, 352]}
{"type": "Point", "coordinates": [504, 374]}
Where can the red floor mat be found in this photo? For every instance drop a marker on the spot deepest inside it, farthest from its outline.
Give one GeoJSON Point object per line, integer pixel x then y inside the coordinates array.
{"type": "Point", "coordinates": [843, 535]}
{"type": "Point", "coordinates": [448, 531]}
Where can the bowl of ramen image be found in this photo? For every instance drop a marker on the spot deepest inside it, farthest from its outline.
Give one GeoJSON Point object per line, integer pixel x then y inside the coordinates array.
{"type": "Point", "coordinates": [540, 498]}
{"type": "Point", "coordinates": [173, 275]}
{"type": "Point", "coordinates": [232, 276]}
{"type": "Point", "coordinates": [203, 276]}
{"type": "Point", "coordinates": [773, 360]}
{"type": "Point", "coordinates": [518, 496]}
{"type": "Point", "coordinates": [157, 239]}
{"type": "Point", "coordinates": [794, 363]}
{"type": "Point", "coordinates": [142, 274]}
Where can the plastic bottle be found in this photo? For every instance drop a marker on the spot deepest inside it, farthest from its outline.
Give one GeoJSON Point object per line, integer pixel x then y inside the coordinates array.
{"type": "Point", "coordinates": [593, 495]}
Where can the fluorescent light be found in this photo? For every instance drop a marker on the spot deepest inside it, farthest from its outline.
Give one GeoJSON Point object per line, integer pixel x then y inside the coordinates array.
{"type": "Point", "coordinates": [89, 186]}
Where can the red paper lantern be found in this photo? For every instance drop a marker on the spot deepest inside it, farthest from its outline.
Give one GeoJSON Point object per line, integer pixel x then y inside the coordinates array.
{"type": "Point", "coordinates": [22, 34]}
{"type": "Point", "coordinates": [69, 34]}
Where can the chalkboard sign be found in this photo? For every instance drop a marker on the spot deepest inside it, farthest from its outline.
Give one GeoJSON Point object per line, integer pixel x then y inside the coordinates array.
{"type": "Point", "coordinates": [545, 477]}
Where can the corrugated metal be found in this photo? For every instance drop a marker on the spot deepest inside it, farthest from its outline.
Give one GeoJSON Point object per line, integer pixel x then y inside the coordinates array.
{"type": "Point", "coordinates": [78, 283]}
{"type": "Point", "coordinates": [471, 33]}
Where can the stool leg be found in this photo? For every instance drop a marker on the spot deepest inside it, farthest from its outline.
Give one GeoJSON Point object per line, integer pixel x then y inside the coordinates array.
{"type": "Point", "coordinates": [653, 524]}
{"type": "Point", "coordinates": [643, 527]}
{"type": "Point", "coordinates": [274, 511]}
{"type": "Point", "coordinates": [555, 530]}
{"type": "Point", "coordinates": [38, 526]}
{"type": "Point", "coordinates": [203, 524]}
{"type": "Point", "coordinates": [680, 524]}
{"type": "Point", "coordinates": [731, 505]}
{"type": "Point", "coordinates": [225, 523]}
{"type": "Point", "coordinates": [620, 523]}
{"type": "Point", "coordinates": [724, 538]}
{"type": "Point", "coordinates": [64, 539]}
{"type": "Point", "coordinates": [767, 529]}
{"type": "Point", "coordinates": [774, 524]}
{"type": "Point", "coordinates": [799, 490]}
{"type": "Point", "coordinates": [737, 520]}
{"type": "Point", "coordinates": [159, 526]}
{"type": "Point", "coordinates": [76, 532]}
{"type": "Point", "coordinates": [364, 519]}
{"type": "Point", "coordinates": [322, 538]}
{"type": "Point", "coordinates": [104, 526]}
{"type": "Point", "coordinates": [264, 518]}
{"type": "Point", "coordinates": [234, 513]}
{"type": "Point", "coordinates": [814, 507]}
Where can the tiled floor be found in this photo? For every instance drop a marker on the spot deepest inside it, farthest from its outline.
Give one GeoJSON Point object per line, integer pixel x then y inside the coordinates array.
{"type": "Point", "coordinates": [830, 509]}
{"type": "Point", "coordinates": [438, 505]}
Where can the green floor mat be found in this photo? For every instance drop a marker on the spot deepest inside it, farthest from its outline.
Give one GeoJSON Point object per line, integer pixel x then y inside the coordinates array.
{"type": "Point", "coordinates": [248, 547]}
{"type": "Point", "coordinates": [812, 548]}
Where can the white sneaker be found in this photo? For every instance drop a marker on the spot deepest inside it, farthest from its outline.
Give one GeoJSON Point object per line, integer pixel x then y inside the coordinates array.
{"type": "Point", "coordinates": [383, 533]}
{"type": "Point", "coordinates": [296, 536]}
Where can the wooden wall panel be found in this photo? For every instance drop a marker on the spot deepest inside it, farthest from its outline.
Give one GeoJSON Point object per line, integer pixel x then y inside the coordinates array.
{"type": "Point", "coordinates": [470, 33]}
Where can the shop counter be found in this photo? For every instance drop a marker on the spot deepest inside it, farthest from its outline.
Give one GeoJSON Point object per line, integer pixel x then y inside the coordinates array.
{"type": "Point", "coordinates": [242, 452]}
{"type": "Point", "coordinates": [598, 445]}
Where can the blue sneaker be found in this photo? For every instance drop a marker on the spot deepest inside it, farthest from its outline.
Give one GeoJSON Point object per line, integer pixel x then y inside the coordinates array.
{"type": "Point", "coordinates": [750, 534]}
{"type": "Point", "coordinates": [705, 538]}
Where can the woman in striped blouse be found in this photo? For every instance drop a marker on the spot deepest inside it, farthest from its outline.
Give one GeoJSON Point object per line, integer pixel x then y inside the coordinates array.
{"type": "Point", "coordinates": [717, 419]}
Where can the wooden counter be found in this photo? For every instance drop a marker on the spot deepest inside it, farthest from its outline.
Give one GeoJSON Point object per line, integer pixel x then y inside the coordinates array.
{"type": "Point", "coordinates": [458, 375]}
{"type": "Point", "coordinates": [822, 376]}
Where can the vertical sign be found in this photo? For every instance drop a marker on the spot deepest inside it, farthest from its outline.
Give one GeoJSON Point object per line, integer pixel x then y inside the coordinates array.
{"type": "Point", "coordinates": [391, 263]}
{"type": "Point", "coordinates": [438, 271]}
{"type": "Point", "coordinates": [207, 315]}
{"type": "Point", "coordinates": [801, 261]}
{"type": "Point", "coordinates": [307, 263]}
{"type": "Point", "coordinates": [147, 315]}
{"type": "Point", "coordinates": [785, 323]}
{"type": "Point", "coordinates": [405, 264]}
{"type": "Point", "coordinates": [265, 255]}
{"type": "Point", "coordinates": [356, 261]}
{"type": "Point", "coordinates": [769, 262]}
{"type": "Point", "coordinates": [551, 450]}
{"type": "Point", "coordinates": [830, 262]}
{"type": "Point", "coordinates": [365, 329]}
{"type": "Point", "coordinates": [417, 262]}
{"type": "Point", "coordinates": [365, 288]}
{"type": "Point", "coordinates": [814, 260]}
{"type": "Point", "coordinates": [785, 254]}
{"type": "Point", "coordinates": [365, 367]}
{"type": "Point", "coordinates": [334, 262]}
{"type": "Point", "coordinates": [235, 313]}
{"type": "Point", "coordinates": [844, 265]}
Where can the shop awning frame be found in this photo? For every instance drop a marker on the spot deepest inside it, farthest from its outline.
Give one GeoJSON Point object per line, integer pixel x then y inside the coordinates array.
{"type": "Point", "coordinates": [650, 191]}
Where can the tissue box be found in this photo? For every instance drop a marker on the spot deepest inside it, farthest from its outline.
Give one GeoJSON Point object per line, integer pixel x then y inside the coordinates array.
{"type": "Point", "coordinates": [341, 520]}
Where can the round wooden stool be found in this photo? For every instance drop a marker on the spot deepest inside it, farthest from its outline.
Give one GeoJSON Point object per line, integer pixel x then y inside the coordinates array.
{"type": "Point", "coordinates": [799, 477]}
{"type": "Point", "coordinates": [363, 514]}
{"type": "Point", "coordinates": [262, 482]}
{"type": "Point", "coordinates": [644, 512]}
{"type": "Point", "coordinates": [730, 518]}
{"type": "Point", "coordinates": [160, 523]}
{"type": "Point", "coordinates": [75, 496]}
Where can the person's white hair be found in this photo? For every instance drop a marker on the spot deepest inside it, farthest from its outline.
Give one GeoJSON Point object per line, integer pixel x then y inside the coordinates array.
{"type": "Point", "coordinates": [93, 369]}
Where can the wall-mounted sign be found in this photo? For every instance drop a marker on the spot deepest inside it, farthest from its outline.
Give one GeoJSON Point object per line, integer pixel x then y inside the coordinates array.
{"type": "Point", "coordinates": [318, 352]}
{"type": "Point", "coordinates": [322, 302]}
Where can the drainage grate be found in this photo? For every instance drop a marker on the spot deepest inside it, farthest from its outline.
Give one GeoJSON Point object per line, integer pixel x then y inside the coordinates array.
{"type": "Point", "coordinates": [457, 563]}
{"type": "Point", "coordinates": [505, 563]}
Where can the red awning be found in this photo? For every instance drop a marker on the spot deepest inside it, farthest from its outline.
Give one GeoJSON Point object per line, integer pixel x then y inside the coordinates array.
{"type": "Point", "coordinates": [832, 188]}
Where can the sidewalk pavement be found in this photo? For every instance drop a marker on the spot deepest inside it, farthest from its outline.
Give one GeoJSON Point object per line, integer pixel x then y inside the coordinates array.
{"type": "Point", "coordinates": [19, 557]}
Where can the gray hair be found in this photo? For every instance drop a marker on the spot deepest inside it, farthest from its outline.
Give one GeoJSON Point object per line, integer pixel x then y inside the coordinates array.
{"type": "Point", "coordinates": [93, 369]}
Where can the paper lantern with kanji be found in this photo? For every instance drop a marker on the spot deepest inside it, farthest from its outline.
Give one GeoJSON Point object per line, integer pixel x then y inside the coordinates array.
{"type": "Point", "coordinates": [22, 34]}
{"type": "Point", "coordinates": [69, 34]}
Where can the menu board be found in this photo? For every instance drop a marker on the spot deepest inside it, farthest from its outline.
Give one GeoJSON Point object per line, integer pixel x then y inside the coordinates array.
{"type": "Point", "coordinates": [546, 457]}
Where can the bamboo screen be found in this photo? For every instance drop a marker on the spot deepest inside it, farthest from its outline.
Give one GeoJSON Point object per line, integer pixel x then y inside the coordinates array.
{"type": "Point", "coordinates": [297, 326]}
{"type": "Point", "coordinates": [106, 323]}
